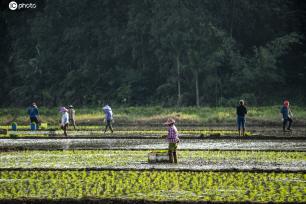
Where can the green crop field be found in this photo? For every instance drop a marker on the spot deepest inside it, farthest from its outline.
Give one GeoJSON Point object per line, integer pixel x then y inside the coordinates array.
{"type": "Point", "coordinates": [252, 175]}
{"type": "Point", "coordinates": [118, 158]}
{"type": "Point", "coordinates": [155, 185]}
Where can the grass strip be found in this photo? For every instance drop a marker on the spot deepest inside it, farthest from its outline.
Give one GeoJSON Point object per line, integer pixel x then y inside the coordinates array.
{"type": "Point", "coordinates": [153, 114]}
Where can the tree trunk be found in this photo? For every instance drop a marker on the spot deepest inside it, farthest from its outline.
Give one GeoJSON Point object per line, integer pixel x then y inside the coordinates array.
{"type": "Point", "coordinates": [232, 18]}
{"type": "Point", "coordinates": [196, 75]}
{"type": "Point", "coordinates": [178, 66]}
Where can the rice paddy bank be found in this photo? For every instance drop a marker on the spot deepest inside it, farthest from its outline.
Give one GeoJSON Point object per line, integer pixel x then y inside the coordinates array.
{"type": "Point", "coordinates": [156, 115]}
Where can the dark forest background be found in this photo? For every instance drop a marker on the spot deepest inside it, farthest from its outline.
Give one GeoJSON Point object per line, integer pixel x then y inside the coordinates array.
{"type": "Point", "coordinates": [153, 52]}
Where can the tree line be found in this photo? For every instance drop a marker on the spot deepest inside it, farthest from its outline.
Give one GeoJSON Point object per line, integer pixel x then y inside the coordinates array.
{"type": "Point", "coordinates": [153, 52]}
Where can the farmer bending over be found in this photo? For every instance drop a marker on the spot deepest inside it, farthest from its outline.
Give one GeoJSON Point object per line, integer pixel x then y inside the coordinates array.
{"type": "Point", "coordinates": [287, 115]}
{"type": "Point", "coordinates": [241, 112]}
{"type": "Point", "coordinates": [173, 140]}
{"type": "Point", "coordinates": [108, 118]}
{"type": "Point", "coordinates": [33, 113]}
{"type": "Point", "coordinates": [64, 120]}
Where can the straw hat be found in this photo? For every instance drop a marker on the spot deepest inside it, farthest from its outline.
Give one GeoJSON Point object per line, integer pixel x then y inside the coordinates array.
{"type": "Point", "coordinates": [70, 106]}
{"type": "Point", "coordinates": [169, 121]}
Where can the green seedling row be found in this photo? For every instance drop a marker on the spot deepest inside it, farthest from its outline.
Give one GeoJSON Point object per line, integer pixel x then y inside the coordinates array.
{"type": "Point", "coordinates": [155, 185]}
{"type": "Point", "coordinates": [115, 158]}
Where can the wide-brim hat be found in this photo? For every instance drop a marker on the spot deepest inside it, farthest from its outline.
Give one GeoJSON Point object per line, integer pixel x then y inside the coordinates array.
{"type": "Point", "coordinates": [63, 109]}
{"type": "Point", "coordinates": [169, 121]}
{"type": "Point", "coordinates": [70, 106]}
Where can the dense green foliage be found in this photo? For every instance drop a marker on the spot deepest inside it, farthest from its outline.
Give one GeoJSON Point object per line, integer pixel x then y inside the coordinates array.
{"type": "Point", "coordinates": [202, 52]}
{"type": "Point", "coordinates": [155, 185]}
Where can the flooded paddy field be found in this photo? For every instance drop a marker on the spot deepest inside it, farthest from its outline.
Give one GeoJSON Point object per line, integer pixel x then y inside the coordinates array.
{"type": "Point", "coordinates": [151, 144]}
{"type": "Point", "coordinates": [155, 131]}
{"type": "Point", "coordinates": [214, 165]}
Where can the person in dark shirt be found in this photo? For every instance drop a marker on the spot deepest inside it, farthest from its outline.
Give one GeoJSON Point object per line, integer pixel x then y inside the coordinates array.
{"type": "Point", "coordinates": [241, 112]}
{"type": "Point", "coordinates": [287, 115]}
{"type": "Point", "coordinates": [33, 113]}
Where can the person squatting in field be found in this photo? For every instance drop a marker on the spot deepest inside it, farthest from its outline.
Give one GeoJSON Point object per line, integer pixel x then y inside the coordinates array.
{"type": "Point", "coordinates": [287, 115]}
{"type": "Point", "coordinates": [108, 117]}
{"type": "Point", "coordinates": [64, 120]}
{"type": "Point", "coordinates": [71, 113]}
{"type": "Point", "coordinates": [172, 139]}
{"type": "Point", "coordinates": [241, 112]}
{"type": "Point", "coordinates": [33, 113]}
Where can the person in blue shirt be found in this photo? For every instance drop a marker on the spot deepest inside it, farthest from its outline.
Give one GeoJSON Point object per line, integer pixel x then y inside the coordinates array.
{"type": "Point", "coordinates": [287, 116]}
{"type": "Point", "coordinates": [241, 112]}
{"type": "Point", "coordinates": [33, 113]}
{"type": "Point", "coordinates": [108, 118]}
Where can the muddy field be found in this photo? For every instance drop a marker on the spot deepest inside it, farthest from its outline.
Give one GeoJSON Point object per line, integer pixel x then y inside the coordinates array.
{"type": "Point", "coordinates": [270, 163]}
{"type": "Point", "coordinates": [151, 144]}
{"type": "Point", "coordinates": [138, 160]}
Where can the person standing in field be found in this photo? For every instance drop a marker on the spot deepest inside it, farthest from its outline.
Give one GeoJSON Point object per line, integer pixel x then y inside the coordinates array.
{"type": "Point", "coordinates": [287, 115]}
{"type": "Point", "coordinates": [33, 113]}
{"type": "Point", "coordinates": [172, 139]}
{"type": "Point", "coordinates": [108, 118]}
{"type": "Point", "coordinates": [241, 111]}
{"type": "Point", "coordinates": [64, 120]}
{"type": "Point", "coordinates": [71, 113]}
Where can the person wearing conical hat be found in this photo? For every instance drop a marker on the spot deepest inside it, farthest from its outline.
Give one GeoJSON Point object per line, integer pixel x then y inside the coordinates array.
{"type": "Point", "coordinates": [287, 115]}
{"type": "Point", "coordinates": [71, 113]}
{"type": "Point", "coordinates": [172, 139]}
{"type": "Point", "coordinates": [64, 119]}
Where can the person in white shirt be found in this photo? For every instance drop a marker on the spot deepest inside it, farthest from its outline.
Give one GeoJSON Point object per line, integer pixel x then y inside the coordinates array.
{"type": "Point", "coordinates": [108, 118]}
{"type": "Point", "coordinates": [64, 120]}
